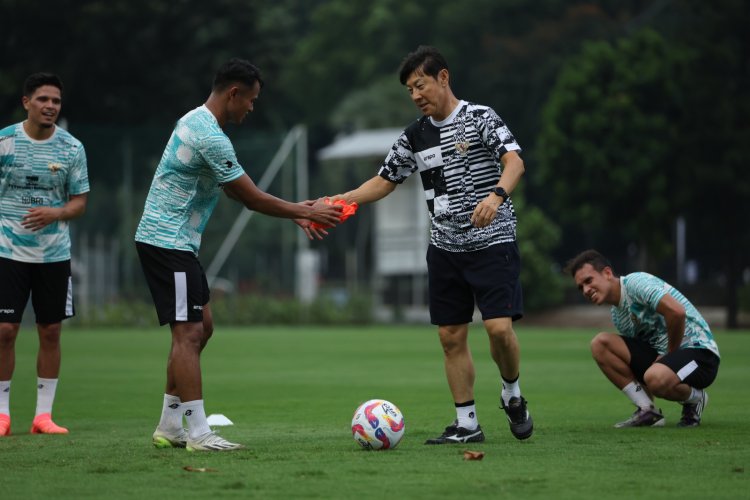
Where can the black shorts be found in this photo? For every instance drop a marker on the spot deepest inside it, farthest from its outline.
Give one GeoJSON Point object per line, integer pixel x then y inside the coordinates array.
{"type": "Point", "coordinates": [696, 367]}
{"type": "Point", "coordinates": [49, 284]}
{"type": "Point", "coordinates": [490, 276]}
{"type": "Point", "coordinates": [177, 283]}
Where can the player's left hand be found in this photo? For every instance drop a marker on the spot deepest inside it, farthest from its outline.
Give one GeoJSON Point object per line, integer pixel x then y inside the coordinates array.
{"type": "Point", "coordinates": [39, 217]}
{"type": "Point", "coordinates": [485, 211]}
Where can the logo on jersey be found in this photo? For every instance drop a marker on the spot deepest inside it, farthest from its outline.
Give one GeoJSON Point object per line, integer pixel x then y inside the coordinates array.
{"type": "Point", "coordinates": [429, 158]}
{"type": "Point", "coordinates": [462, 147]}
{"type": "Point", "coordinates": [54, 167]}
{"type": "Point", "coordinates": [229, 164]}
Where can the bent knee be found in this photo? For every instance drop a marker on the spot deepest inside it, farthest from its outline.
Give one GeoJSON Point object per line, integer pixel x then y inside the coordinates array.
{"type": "Point", "coordinates": [603, 342]}
{"type": "Point", "coordinates": [50, 334]}
{"type": "Point", "coordinates": [8, 337]}
{"type": "Point", "coordinates": [8, 331]}
{"type": "Point", "coordinates": [452, 338]}
{"type": "Point", "coordinates": [500, 329]}
{"type": "Point", "coordinates": [660, 379]}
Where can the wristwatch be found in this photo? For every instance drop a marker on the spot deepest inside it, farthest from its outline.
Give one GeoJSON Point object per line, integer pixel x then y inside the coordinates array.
{"type": "Point", "coordinates": [501, 192]}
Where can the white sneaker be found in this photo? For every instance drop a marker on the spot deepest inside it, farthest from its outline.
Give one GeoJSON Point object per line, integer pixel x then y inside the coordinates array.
{"type": "Point", "coordinates": [162, 439]}
{"type": "Point", "coordinates": [211, 442]}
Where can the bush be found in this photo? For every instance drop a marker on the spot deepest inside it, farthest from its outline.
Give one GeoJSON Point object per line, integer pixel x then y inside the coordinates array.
{"type": "Point", "coordinates": [241, 310]}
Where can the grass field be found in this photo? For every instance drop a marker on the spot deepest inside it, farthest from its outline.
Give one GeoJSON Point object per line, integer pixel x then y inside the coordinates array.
{"type": "Point", "coordinates": [291, 393]}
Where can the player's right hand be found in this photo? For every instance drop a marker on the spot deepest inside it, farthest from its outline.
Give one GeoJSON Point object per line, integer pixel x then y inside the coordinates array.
{"type": "Point", "coordinates": [326, 214]}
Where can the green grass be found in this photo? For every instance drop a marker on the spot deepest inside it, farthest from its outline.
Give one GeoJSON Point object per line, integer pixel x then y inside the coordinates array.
{"type": "Point", "coordinates": [291, 393]}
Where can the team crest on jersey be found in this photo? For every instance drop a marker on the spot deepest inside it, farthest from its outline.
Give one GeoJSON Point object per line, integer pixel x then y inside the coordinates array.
{"type": "Point", "coordinates": [635, 319]}
{"type": "Point", "coordinates": [54, 167]}
{"type": "Point", "coordinates": [462, 147]}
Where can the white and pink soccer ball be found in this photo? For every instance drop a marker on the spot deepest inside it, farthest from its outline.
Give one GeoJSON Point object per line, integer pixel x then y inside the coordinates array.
{"type": "Point", "coordinates": [378, 425]}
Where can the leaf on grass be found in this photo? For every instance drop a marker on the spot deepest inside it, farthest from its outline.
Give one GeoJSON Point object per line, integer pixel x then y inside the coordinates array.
{"type": "Point", "coordinates": [199, 469]}
{"type": "Point", "coordinates": [473, 455]}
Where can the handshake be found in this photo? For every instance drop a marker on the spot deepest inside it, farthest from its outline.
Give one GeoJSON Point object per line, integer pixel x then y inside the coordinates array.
{"type": "Point", "coordinates": [341, 210]}
{"type": "Point", "coordinates": [347, 210]}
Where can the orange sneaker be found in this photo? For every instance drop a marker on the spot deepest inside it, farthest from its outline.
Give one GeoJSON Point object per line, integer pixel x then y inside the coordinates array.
{"type": "Point", "coordinates": [4, 425]}
{"type": "Point", "coordinates": [43, 424]}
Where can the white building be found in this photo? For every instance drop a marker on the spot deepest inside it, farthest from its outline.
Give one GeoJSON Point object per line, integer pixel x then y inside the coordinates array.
{"type": "Point", "coordinates": [401, 227]}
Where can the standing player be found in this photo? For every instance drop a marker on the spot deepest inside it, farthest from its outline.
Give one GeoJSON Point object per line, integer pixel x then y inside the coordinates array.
{"type": "Point", "coordinates": [43, 184]}
{"type": "Point", "coordinates": [664, 347]}
{"type": "Point", "coordinates": [469, 164]}
{"type": "Point", "coordinates": [198, 162]}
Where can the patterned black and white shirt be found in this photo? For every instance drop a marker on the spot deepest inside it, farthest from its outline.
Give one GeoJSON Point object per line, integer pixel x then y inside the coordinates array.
{"type": "Point", "coordinates": [458, 160]}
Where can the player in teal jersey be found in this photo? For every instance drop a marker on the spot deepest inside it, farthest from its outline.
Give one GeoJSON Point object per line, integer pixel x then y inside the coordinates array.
{"type": "Point", "coordinates": [664, 347]}
{"type": "Point", "coordinates": [43, 185]}
{"type": "Point", "coordinates": [198, 163]}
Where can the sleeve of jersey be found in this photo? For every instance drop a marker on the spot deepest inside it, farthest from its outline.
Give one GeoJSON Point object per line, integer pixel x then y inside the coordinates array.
{"type": "Point", "coordinates": [647, 289]}
{"type": "Point", "coordinates": [496, 134]}
{"type": "Point", "coordinates": [400, 162]}
{"type": "Point", "coordinates": [221, 158]}
{"type": "Point", "coordinates": [78, 178]}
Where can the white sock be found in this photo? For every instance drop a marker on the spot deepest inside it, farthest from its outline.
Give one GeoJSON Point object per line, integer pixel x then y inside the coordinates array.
{"type": "Point", "coordinates": [510, 390]}
{"type": "Point", "coordinates": [5, 397]}
{"type": "Point", "coordinates": [171, 414]}
{"type": "Point", "coordinates": [45, 394]}
{"type": "Point", "coordinates": [196, 418]}
{"type": "Point", "coordinates": [466, 414]}
{"type": "Point", "coordinates": [695, 396]}
{"type": "Point", "coordinates": [638, 395]}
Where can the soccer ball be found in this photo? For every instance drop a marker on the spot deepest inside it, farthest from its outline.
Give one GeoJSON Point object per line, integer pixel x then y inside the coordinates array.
{"type": "Point", "coordinates": [378, 425]}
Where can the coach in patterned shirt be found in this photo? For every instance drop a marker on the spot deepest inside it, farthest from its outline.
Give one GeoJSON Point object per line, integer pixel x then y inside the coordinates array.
{"type": "Point", "coordinates": [43, 184]}
{"type": "Point", "coordinates": [469, 164]}
{"type": "Point", "coordinates": [664, 347]}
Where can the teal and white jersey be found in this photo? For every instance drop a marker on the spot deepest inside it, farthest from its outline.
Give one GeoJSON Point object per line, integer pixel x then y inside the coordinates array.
{"type": "Point", "coordinates": [636, 315]}
{"type": "Point", "coordinates": [38, 174]}
{"type": "Point", "coordinates": [197, 161]}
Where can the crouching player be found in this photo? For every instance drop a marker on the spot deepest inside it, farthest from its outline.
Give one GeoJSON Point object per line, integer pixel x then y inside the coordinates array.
{"type": "Point", "coordinates": [663, 347]}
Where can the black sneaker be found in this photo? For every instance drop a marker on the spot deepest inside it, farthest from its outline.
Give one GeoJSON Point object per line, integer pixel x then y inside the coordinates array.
{"type": "Point", "coordinates": [643, 417]}
{"type": "Point", "coordinates": [455, 434]}
{"type": "Point", "coordinates": [691, 413]}
{"type": "Point", "coordinates": [521, 424]}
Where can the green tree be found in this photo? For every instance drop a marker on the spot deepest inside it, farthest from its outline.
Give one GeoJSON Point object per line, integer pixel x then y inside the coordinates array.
{"type": "Point", "coordinates": [382, 104]}
{"type": "Point", "coordinates": [653, 126]}
{"type": "Point", "coordinates": [538, 237]}
{"type": "Point", "coordinates": [713, 140]}
{"type": "Point", "coordinates": [606, 154]}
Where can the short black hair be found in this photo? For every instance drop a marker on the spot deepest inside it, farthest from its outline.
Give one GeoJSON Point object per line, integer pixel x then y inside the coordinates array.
{"type": "Point", "coordinates": [590, 256]}
{"type": "Point", "coordinates": [36, 80]}
{"type": "Point", "coordinates": [237, 71]}
{"type": "Point", "coordinates": [428, 58]}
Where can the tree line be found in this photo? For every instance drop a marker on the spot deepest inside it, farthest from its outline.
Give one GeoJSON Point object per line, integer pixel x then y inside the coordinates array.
{"type": "Point", "coordinates": [630, 113]}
